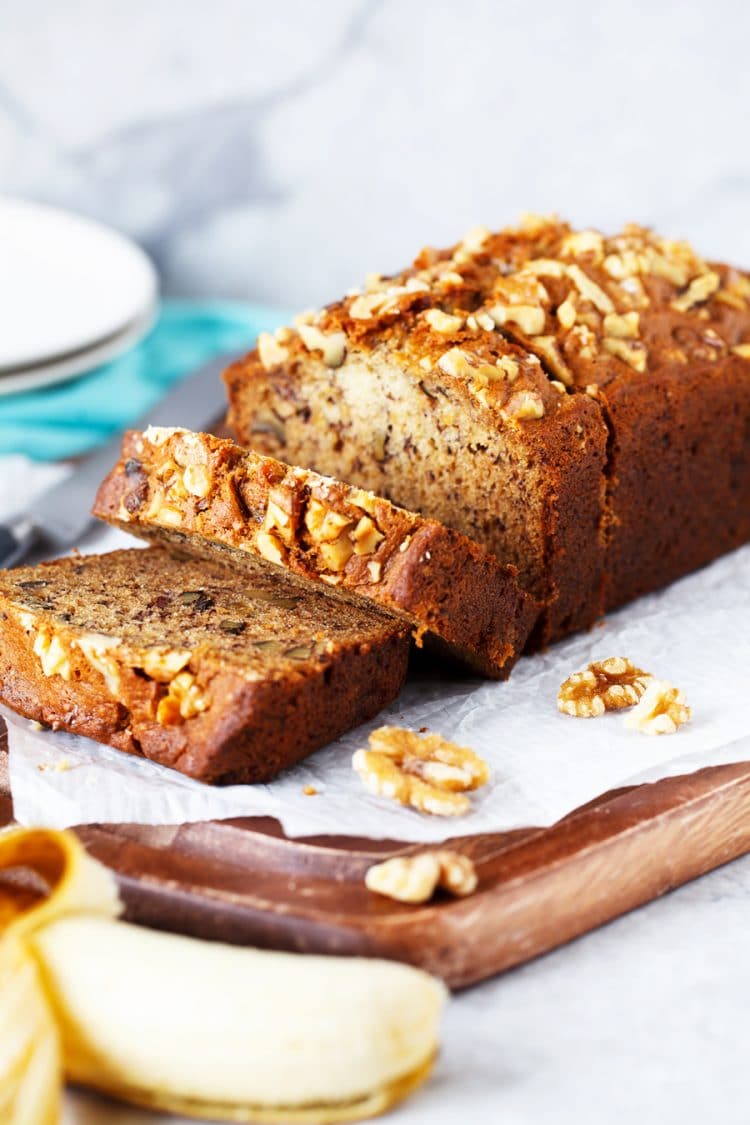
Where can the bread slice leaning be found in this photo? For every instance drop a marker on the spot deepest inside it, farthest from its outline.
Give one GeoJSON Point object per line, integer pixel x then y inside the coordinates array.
{"type": "Point", "coordinates": [174, 659]}
{"type": "Point", "coordinates": [204, 492]}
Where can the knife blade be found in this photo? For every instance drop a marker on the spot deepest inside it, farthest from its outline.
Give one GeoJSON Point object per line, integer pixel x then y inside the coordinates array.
{"type": "Point", "coordinates": [60, 516]}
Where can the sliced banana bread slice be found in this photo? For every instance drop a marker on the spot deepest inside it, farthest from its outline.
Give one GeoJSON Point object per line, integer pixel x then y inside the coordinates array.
{"type": "Point", "coordinates": [173, 483]}
{"type": "Point", "coordinates": [174, 659]}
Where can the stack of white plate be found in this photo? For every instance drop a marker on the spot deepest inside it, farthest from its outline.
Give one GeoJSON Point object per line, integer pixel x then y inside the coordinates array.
{"type": "Point", "coordinates": [73, 294]}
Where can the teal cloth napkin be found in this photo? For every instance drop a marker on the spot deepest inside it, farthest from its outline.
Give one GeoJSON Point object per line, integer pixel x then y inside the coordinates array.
{"type": "Point", "coordinates": [71, 418]}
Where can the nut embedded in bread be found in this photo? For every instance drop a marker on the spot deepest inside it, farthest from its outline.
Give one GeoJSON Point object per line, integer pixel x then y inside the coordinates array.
{"type": "Point", "coordinates": [174, 659]}
{"type": "Point", "coordinates": [211, 493]}
{"type": "Point", "coordinates": [579, 404]}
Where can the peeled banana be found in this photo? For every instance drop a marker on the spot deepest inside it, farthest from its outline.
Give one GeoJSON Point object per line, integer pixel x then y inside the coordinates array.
{"type": "Point", "coordinates": [182, 1025]}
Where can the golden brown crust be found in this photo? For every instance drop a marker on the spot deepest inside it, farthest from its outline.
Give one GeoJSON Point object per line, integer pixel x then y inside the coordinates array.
{"type": "Point", "coordinates": [655, 338]}
{"type": "Point", "coordinates": [211, 491]}
{"type": "Point", "coordinates": [173, 659]}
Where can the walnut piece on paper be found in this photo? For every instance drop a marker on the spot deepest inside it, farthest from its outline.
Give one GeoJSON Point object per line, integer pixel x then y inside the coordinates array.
{"type": "Point", "coordinates": [605, 685]}
{"type": "Point", "coordinates": [425, 772]}
{"type": "Point", "coordinates": [661, 710]}
{"type": "Point", "coordinates": [415, 878]}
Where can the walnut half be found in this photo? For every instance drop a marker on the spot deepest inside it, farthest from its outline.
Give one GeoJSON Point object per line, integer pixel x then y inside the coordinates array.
{"type": "Point", "coordinates": [605, 685]}
{"type": "Point", "coordinates": [415, 878]}
{"type": "Point", "coordinates": [429, 774]}
{"type": "Point", "coordinates": [662, 709]}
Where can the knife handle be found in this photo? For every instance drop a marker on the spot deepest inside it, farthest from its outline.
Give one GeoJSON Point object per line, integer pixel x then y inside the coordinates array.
{"type": "Point", "coordinates": [16, 540]}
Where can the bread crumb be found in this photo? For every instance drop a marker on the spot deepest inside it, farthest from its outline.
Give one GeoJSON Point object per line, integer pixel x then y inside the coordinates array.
{"type": "Point", "coordinates": [310, 791]}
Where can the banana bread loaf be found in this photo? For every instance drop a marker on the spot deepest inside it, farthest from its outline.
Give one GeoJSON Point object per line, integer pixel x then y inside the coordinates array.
{"type": "Point", "coordinates": [200, 491]}
{"type": "Point", "coordinates": [173, 659]}
{"type": "Point", "coordinates": [578, 404]}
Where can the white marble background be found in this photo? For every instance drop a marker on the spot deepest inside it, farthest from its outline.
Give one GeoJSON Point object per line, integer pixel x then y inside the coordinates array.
{"type": "Point", "coordinates": [282, 150]}
{"type": "Point", "coordinates": [279, 151]}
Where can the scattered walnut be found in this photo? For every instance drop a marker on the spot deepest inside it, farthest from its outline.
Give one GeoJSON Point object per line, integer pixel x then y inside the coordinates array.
{"type": "Point", "coordinates": [742, 350]}
{"type": "Point", "coordinates": [415, 878]}
{"type": "Point", "coordinates": [605, 685]}
{"type": "Point", "coordinates": [375, 570]}
{"type": "Point", "coordinates": [429, 774]}
{"type": "Point", "coordinates": [662, 709]}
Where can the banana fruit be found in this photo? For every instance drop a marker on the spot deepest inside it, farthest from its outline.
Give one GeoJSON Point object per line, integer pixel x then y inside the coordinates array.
{"type": "Point", "coordinates": [185, 1026]}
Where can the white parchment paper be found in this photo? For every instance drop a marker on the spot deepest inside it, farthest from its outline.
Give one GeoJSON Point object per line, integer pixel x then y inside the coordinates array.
{"type": "Point", "coordinates": [695, 634]}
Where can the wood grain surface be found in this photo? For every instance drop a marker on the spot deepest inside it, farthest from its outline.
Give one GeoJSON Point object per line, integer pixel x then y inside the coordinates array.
{"type": "Point", "coordinates": [244, 882]}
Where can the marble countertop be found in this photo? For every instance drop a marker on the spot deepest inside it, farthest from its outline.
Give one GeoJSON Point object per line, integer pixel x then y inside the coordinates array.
{"type": "Point", "coordinates": [282, 151]}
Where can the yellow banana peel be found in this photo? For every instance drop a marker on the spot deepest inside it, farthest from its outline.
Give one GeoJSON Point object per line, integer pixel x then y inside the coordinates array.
{"type": "Point", "coordinates": [186, 1026]}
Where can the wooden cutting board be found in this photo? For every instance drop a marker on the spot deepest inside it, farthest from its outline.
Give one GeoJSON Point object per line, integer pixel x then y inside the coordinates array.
{"type": "Point", "coordinates": [244, 882]}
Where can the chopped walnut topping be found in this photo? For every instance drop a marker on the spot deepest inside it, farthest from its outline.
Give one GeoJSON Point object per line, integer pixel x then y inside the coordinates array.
{"type": "Point", "coordinates": [545, 267]}
{"type": "Point", "coordinates": [742, 350]}
{"type": "Point", "coordinates": [471, 244]}
{"type": "Point", "coordinates": [605, 685]}
{"type": "Point", "coordinates": [375, 570]}
{"type": "Point", "coordinates": [307, 316]}
{"type": "Point", "coordinates": [662, 709]}
{"type": "Point", "coordinates": [699, 289]}
{"type": "Point", "coordinates": [270, 351]}
{"type": "Point", "coordinates": [427, 773]}
{"type": "Point", "coordinates": [529, 318]}
{"type": "Point", "coordinates": [622, 327]}
{"type": "Point", "coordinates": [585, 340]}
{"type": "Point", "coordinates": [442, 322]}
{"type": "Point", "coordinates": [455, 362]}
{"type": "Point", "coordinates": [509, 367]}
{"type": "Point", "coordinates": [550, 350]}
{"type": "Point", "coordinates": [583, 242]}
{"type": "Point", "coordinates": [333, 346]}
{"type": "Point", "coordinates": [589, 290]}
{"type": "Point", "coordinates": [525, 405]}
{"type": "Point", "coordinates": [632, 352]}
{"type": "Point", "coordinates": [566, 313]}
{"type": "Point", "coordinates": [415, 878]}
{"type": "Point", "coordinates": [485, 321]}
{"type": "Point", "coordinates": [623, 265]}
